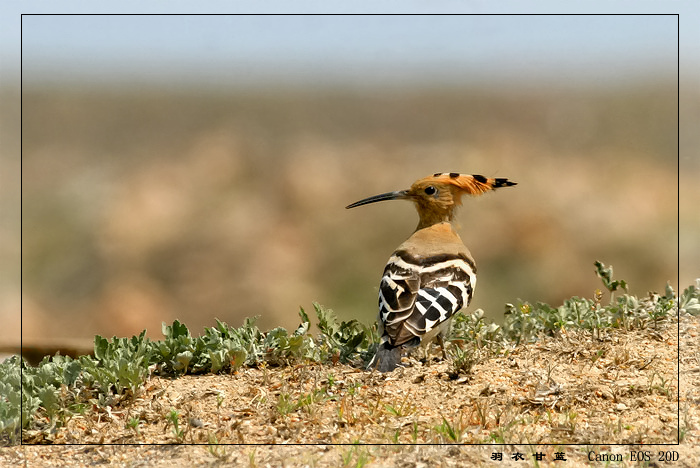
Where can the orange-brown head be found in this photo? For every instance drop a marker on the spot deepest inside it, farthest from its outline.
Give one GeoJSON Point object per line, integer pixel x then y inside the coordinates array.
{"type": "Point", "coordinates": [437, 196]}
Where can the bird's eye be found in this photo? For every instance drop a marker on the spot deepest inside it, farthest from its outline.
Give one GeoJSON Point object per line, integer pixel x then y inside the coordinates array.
{"type": "Point", "coordinates": [430, 190]}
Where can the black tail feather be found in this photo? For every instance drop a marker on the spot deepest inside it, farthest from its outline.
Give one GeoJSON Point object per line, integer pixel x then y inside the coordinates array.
{"type": "Point", "coordinates": [387, 358]}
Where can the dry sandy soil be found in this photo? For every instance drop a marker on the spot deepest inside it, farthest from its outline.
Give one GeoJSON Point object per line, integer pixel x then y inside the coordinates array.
{"type": "Point", "coordinates": [570, 394]}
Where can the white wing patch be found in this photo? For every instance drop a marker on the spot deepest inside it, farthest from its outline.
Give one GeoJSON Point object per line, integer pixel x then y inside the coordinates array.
{"type": "Point", "coordinates": [416, 297]}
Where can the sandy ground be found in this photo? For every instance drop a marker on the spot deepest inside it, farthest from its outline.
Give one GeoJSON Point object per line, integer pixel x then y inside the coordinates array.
{"type": "Point", "coordinates": [572, 396]}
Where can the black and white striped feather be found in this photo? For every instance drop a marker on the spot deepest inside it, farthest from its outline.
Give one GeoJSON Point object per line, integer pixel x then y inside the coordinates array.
{"type": "Point", "coordinates": [417, 299]}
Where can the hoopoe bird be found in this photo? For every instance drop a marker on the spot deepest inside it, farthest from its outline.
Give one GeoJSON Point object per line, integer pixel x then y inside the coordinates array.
{"type": "Point", "coordinates": [432, 275]}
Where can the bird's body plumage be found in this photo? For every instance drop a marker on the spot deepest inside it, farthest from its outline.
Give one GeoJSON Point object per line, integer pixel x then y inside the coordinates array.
{"type": "Point", "coordinates": [422, 288]}
{"type": "Point", "coordinates": [430, 276]}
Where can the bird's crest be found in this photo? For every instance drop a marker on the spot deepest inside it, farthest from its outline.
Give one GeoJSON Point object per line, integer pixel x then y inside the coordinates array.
{"type": "Point", "coordinates": [437, 196]}
{"type": "Point", "coordinates": [471, 184]}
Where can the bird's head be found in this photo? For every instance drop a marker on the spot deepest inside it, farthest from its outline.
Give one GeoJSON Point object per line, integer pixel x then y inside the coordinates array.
{"type": "Point", "coordinates": [437, 196]}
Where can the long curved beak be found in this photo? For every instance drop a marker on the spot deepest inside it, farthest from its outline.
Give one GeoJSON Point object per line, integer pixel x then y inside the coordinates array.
{"type": "Point", "coordinates": [399, 195]}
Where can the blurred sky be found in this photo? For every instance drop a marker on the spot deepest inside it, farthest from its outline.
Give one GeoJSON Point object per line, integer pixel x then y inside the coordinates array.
{"type": "Point", "coordinates": [358, 49]}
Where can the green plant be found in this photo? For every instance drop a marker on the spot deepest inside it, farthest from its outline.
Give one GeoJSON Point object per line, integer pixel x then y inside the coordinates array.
{"type": "Point", "coordinates": [174, 418]}
{"type": "Point", "coordinates": [344, 340]}
{"type": "Point", "coordinates": [473, 328]}
{"type": "Point", "coordinates": [502, 433]}
{"type": "Point", "coordinates": [50, 390]}
{"type": "Point", "coordinates": [451, 431]}
{"type": "Point", "coordinates": [285, 405]}
{"type": "Point", "coordinates": [463, 358]}
{"type": "Point", "coordinates": [689, 301]}
{"type": "Point", "coordinates": [661, 387]}
{"type": "Point", "coordinates": [133, 423]}
{"type": "Point", "coordinates": [482, 413]}
{"type": "Point", "coordinates": [359, 454]}
{"type": "Point", "coordinates": [524, 321]}
{"type": "Point", "coordinates": [10, 401]}
{"type": "Point", "coordinates": [404, 409]}
{"type": "Point", "coordinates": [215, 449]}
{"type": "Point", "coordinates": [606, 276]}
{"type": "Point", "coordinates": [346, 457]}
{"type": "Point", "coordinates": [118, 365]}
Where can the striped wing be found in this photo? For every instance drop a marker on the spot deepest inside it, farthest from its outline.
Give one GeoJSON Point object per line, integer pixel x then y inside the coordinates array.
{"type": "Point", "coordinates": [417, 296]}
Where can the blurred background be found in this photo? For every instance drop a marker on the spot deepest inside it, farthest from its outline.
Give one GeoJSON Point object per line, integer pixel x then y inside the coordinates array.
{"type": "Point", "coordinates": [195, 167]}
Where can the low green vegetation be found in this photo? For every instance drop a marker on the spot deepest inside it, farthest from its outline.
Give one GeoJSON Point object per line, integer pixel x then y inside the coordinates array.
{"type": "Point", "coordinates": [60, 387]}
{"type": "Point", "coordinates": [47, 396]}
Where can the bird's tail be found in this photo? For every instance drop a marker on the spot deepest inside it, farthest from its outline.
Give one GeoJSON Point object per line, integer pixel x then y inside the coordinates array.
{"type": "Point", "coordinates": [387, 358]}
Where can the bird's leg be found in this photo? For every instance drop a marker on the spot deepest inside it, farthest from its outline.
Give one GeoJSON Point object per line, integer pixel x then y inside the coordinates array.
{"type": "Point", "coordinates": [441, 342]}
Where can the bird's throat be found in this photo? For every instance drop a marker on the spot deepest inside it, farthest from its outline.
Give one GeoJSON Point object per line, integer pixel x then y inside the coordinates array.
{"type": "Point", "coordinates": [431, 218]}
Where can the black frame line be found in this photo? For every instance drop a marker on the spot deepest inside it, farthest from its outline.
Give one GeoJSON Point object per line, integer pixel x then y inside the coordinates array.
{"type": "Point", "coordinates": [677, 443]}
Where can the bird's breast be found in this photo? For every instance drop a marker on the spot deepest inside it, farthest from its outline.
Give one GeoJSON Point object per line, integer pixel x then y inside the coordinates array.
{"type": "Point", "coordinates": [434, 244]}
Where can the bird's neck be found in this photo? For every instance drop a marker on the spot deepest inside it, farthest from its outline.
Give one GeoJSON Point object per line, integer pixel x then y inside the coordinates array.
{"type": "Point", "coordinates": [430, 218]}
{"type": "Point", "coordinates": [434, 240]}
